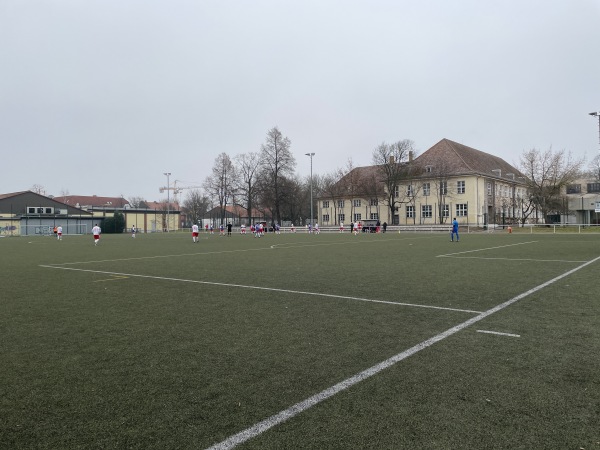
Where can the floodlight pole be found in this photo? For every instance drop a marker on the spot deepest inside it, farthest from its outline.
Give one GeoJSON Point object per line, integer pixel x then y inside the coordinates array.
{"type": "Point", "coordinates": [311, 191]}
{"type": "Point", "coordinates": [168, 198]}
{"type": "Point", "coordinates": [597, 115]}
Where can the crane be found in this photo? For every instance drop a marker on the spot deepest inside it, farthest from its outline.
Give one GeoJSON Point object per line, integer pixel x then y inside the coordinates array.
{"type": "Point", "coordinates": [177, 189]}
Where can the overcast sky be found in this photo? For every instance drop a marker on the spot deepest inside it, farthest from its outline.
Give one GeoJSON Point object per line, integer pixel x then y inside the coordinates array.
{"type": "Point", "coordinates": [104, 96]}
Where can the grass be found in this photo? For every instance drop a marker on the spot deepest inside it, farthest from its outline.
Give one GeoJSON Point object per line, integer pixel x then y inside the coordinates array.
{"type": "Point", "coordinates": [156, 342]}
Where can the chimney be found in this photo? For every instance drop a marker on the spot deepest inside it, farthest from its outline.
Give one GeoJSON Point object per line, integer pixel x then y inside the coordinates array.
{"type": "Point", "coordinates": [392, 160]}
{"type": "Point", "coordinates": [410, 156]}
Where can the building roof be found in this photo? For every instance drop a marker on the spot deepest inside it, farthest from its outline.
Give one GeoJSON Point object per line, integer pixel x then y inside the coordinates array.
{"type": "Point", "coordinates": [12, 194]}
{"type": "Point", "coordinates": [83, 201]}
{"type": "Point", "coordinates": [453, 158]}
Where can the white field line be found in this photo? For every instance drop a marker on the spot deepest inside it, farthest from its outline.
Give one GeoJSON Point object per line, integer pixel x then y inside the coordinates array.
{"type": "Point", "coordinates": [498, 333]}
{"type": "Point", "coordinates": [243, 286]}
{"type": "Point", "coordinates": [296, 409]}
{"type": "Point", "coordinates": [483, 249]}
{"type": "Point", "coordinates": [512, 259]}
{"type": "Point", "coordinates": [282, 246]}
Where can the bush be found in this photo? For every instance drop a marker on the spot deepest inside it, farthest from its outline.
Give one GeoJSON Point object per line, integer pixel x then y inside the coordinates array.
{"type": "Point", "coordinates": [115, 224]}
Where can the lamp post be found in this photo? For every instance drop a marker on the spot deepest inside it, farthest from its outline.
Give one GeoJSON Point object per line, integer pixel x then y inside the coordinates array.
{"type": "Point", "coordinates": [168, 197]}
{"type": "Point", "coordinates": [311, 190]}
{"type": "Point", "coordinates": [597, 115]}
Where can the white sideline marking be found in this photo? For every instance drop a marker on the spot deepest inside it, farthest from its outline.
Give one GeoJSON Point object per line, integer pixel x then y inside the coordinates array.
{"type": "Point", "coordinates": [282, 245]}
{"type": "Point", "coordinates": [499, 333]}
{"type": "Point", "coordinates": [296, 409]}
{"type": "Point", "coordinates": [513, 259]}
{"type": "Point", "coordinates": [243, 286]}
{"type": "Point", "coordinates": [488, 248]}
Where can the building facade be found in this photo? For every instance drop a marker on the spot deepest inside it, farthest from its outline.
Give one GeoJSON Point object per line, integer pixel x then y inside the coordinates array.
{"type": "Point", "coordinates": [448, 180]}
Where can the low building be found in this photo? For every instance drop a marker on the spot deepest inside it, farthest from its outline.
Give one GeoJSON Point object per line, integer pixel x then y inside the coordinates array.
{"type": "Point", "coordinates": [582, 202]}
{"type": "Point", "coordinates": [27, 213]}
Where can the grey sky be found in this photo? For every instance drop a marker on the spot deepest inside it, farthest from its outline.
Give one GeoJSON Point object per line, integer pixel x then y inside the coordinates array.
{"type": "Point", "coordinates": [103, 96]}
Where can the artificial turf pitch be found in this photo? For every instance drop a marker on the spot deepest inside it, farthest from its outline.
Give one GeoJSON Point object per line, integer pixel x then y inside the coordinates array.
{"type": "Point", "coordinates": [157, 342]}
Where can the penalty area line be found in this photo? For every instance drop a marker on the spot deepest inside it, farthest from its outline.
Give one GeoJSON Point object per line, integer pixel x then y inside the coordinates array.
{"type": "Point", "coordinates": [483, 249]}
{"type": "Point", "coordinates": [302, 406]}
{"type": "Point", "coordinates": [498, 333]}
{"type": "Point", "coordinates": [262, 288]}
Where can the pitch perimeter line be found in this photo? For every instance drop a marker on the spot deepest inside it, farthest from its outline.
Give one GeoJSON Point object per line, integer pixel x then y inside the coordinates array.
{"type": "Point", "coordinates": [243, 286]}
{"type": "Point", "coordinates": [302, 406]}
{"type": "Point", "coordinates": [498, 333]}
{"type": "Point", "coordinates": [512, 259]}
{"type": "Point", "coordinates": [488, 248]}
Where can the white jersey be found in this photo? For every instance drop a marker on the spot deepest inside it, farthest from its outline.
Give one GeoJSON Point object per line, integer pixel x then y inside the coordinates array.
{"type": "Point", "coordinates": [194, 228]}
{"type": "Point", "coordinates": [96, 230]}
{"type": "Point", "coordinates": [59, 230]}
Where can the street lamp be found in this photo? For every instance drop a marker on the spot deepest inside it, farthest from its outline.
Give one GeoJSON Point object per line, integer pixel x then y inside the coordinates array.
{"type": "Point", "coordinates": [168, 197]}
{"type": "Point", "coordinates": [597, 115]}
{"type": "Point", "coordinates": [311, 190]}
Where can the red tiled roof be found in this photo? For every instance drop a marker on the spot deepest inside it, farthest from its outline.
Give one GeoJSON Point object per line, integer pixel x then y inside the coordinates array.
{"type": "Point", "coordinates": [456, 159]}
{"type": "Point", "coordinates": [92, 200]}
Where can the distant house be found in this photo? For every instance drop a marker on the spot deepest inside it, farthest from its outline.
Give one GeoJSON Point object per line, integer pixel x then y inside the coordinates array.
{"type": "Point", "coordinates": [28, 213]}
{"type": "Point", "coordinates": [583, 202]}
{"type": "Point", "coordinates": [449, 180]}
{"type": "Point", "coordinates": [89, 202]}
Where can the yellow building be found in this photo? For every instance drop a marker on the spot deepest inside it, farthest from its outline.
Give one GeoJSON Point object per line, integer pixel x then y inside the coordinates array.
{"type": "Point", "coordinates": [448, 180]}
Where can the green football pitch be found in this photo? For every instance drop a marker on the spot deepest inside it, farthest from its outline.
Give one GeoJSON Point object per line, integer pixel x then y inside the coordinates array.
{"type": "Point", "coordinates": [295, 341]}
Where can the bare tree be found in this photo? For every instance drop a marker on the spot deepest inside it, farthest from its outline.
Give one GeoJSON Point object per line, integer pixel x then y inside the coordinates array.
{"type": "Point", "coordinates": [393, 163]}
{"type": "Point", "coordinates": [333, 190]}
{"type": "Point", "coordinates": [246, 185]}
{"type": "Point", "coordinates": [195, 205]}
{"type": "Point", "coordinates": [138, 202]}
{"type": "Point", "coordinates": [594, 168]}
{"type": "Point", "coordinates": [546, 173]}
{"type": "Point", "coordinates": [277, 163]}
{"type": "Point", "coordinates": [440, 176]}
{"type": "Point", "coordinates": [38, 189]}
{"type": "Point", "coordinates": [219, 186]}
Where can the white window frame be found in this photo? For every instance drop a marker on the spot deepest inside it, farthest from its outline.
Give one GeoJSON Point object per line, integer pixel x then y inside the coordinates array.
{"type": "Point", "coordinates": [462, 210]}
{"type": "Point", "coordinates": [426, 211]}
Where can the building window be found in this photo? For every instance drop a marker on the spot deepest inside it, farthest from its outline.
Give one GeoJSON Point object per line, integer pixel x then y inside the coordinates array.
{"type": "Point", "coordinates": [426, 189]}
{"type": "Point", "coordinates": [373, 202]}
{"type": "Point", "coordinates": [426, 212]}
{"type": "Point", "coordinates": [574, 189]}
{"type": "Point", "coordinates": [356, 203]}
{"type": "Point", "coordinates": [396, 191]}
{"type": "Point", "coordinates": [593, 187]}
{"type": "Point", "coordinates": [325, 203]}
{"type": "Point", "coordinates": [461, 210]}
{"type": "Point", "coordinates": [445, 210]}
{"type": "Point", "coordinates": [428, 169]}
{"type": "Point", "coordinates": [444, 188]}
{"type": "Point", "coordinates": [460, 187]}
{"type": "Point", "coordinates": [325, 218]}
{"type": "Point", "coordinates": [409, 190]}
{"type": "Point", "coordinates": [374, 216]}
{"type": "Point", "coordinates": [489, 188]}
{"type": "Point", "coordinates": [357, 217]}
{"type": "Point", "coordinates": [410, 212]}
{"type": "Point", "coordinates": [340, 203]}
{"type": "Point", "coordinates": [341, 217]}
